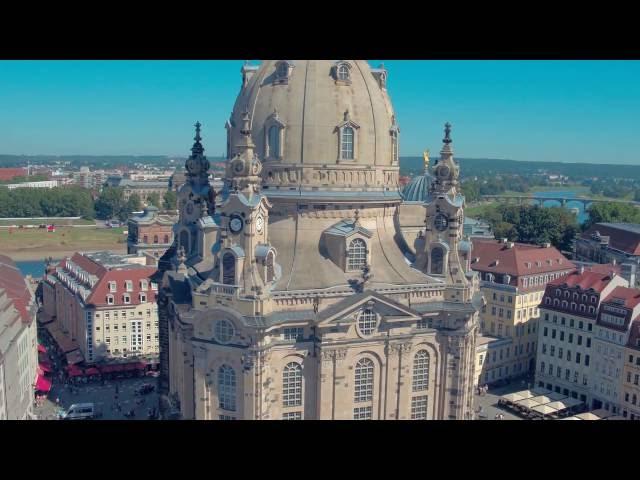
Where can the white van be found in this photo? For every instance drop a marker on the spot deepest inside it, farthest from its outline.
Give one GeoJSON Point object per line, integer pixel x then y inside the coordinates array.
{"type": "Point", "coordinates": [81, 411]}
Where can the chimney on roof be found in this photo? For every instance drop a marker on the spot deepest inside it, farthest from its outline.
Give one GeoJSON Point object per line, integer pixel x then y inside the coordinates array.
{"type": "Point", "coordinates": [546, 245]}
{"type": "Point", "coordinates": [510, 244]}
{"type": "Point", "coordinates": [581, 269]}
{"type": "Point", "coordinates": [504, 240]}
{"type": "Point", "coordinates": [612, 274]}
{"type": "Point", "coordinates": [613, 262]}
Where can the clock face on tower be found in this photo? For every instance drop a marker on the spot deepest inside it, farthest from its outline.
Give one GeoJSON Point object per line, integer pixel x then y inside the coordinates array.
{"type": "Point", "coordinates": [235, 224]}
{"type": "Point", "coordinates": [441, 222]}
{"type": "Point", "coordinates": [259, 223]}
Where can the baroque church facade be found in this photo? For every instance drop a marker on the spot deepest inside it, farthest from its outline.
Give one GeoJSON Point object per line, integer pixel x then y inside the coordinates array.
{"type": "Point", "coordinates": [290, 294]}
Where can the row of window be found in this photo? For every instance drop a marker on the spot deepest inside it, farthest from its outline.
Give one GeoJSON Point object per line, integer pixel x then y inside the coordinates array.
{"type": "Point", "coordinates": [292, 384]}
{"type": "Point", "coordinates": [128, 285]}
{"type": "Point", "coordinates": [567, 373]}
{"type": "Point", "coordinates": [636, 378]}
{"type": "Point", "coordinates": [637, 360]}
{"type": "Point", "coordinates": [572, 322]}
{"type": "Point", "coordinates": [552, 352]}
{"type": "Point", "coordinates": [126, 298]}
{"type": "Point", "coordinates": [576, 296]}
{"type": "Point", "coordinates": [574, 306]}
{"type": "Point", "coordinates": [517, 350]}
{"type": "Point", "coordinates": [145, 239]}
{"type": "Point", "coordinates": [631, 398]}
{"type": "Point", "coordinates": [545, 333]}
{"type": "Point", "coordinates": [565, 391]}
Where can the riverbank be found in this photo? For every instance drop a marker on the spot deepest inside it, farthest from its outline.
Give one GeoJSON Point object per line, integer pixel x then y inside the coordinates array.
{"type": "Point", "coordinates": [30, 244]}
{"type": "Point", "coordinates": [28, 255]}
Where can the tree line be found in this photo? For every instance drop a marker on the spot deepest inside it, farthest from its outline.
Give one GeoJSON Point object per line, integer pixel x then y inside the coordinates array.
{"type": "Point", "coordinates": [555, 225]}
{"type": "Point", "coordinates": [76, 202]}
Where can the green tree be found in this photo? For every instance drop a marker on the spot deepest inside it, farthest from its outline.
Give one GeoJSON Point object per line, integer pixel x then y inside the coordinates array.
{"type": "Point", "coordinates": [134, 204]}
{"type": "Point", "coordinates": [612, 212]}
{"type": "Point", "coordinates": [111, 204]}
{"type": "Point", "coordinates": [170, 200]}
{"type": "Point", "coordinates": [153, 199]}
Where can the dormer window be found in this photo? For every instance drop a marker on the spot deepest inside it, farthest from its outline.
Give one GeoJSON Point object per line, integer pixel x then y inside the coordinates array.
{"type": "Point", "coordinates": [342, 73]}
{"type": "Point", "coordinates": [128, 284]}
{"type": "Point", "coordinates": [274, 137]}
{"type": "Point", "coordinates": [357, 254]}
{"type": "Point", "coordinates": [283, 72]}
{"type": "Point", "coordinates": [394, 140]}
{"type": "Point", "coordinates": [347, 141]}
{"type": "Point", "coordinates": [126, 298]}
{"type": "Point", "coordinates": [144, 285]}
{"type": "Point", "coordinates": [109, 299]}
{"type": "Point", "coordinates": [112, 286]}
{"type": "Point", "coordinates": [143, 298]}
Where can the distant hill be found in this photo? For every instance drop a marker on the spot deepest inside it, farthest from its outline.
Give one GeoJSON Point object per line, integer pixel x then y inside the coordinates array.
{"type": "Point", "coordinates": [471, 167]}
{"type": "Point", "coordinates": [93, 161]}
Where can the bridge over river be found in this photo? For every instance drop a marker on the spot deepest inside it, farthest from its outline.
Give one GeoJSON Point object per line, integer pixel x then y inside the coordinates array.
{"type": "Point", "coordinates": [563, 201]}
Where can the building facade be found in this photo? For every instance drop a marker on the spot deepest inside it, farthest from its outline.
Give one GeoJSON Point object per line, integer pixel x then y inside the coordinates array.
{"type": "Point", "coordinates": [567, 332]}
{"type": "Point", "coordinates": [613, 330]}
{"type": "Point", "coordinates": [104, 306]}
{"type": "Point", "coordinates": [150, 233]}
{"type": "Point", "coordinates": [611, 243]}
{"type": "Point", "coordinates": [513, 278]}
{"type": "Point", "coordinates": [18, 344]}
{"type": "Point", "coordinates": [289, 297]}
{"type": "Point", "coordinates": [630, 390]}
{"type": "Point", "coordinates": [493, 359]}
{"type": "Point", "coordinates": [142, 188]}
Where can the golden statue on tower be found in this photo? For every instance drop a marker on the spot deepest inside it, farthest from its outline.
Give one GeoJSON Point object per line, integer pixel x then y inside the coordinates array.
{"type": "Point", "coordinates": [425, 154]}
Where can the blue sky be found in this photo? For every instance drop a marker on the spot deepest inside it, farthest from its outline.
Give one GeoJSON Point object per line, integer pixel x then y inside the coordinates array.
{"type": "Point", "coordinates": [576, 111]}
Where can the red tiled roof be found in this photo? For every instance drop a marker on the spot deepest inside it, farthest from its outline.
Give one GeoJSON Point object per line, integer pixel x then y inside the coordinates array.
{"type": "Point", "coordinates": [631, 296]}
{"type": "Point", "coordinates": [100, 291]}
{"type": "Point", "coordinates": [88, 265]}
{"type": "Point", "coordinates": [514, 260]}
{"type": "Point", "coordinates": [619, 238]}
{"type": "Point", "coordinates": [605, 268]}
{"type": "Point", "coordinates": [12, 281]}
{"type": "Point", "coordinates": [7, 174]}
{"type": "Point", "coordinates": [586, 280]}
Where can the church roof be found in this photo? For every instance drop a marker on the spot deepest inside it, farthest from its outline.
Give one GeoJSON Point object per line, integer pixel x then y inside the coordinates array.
{"type": "Point", "coordinates": [418, 189]}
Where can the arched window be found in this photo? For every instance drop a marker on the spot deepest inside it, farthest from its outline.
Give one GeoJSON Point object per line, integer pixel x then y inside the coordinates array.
{"type": "Point", "coordinates": [556, 302]}
{"type": "Point", "coordinates": [394, 146]}
{"type": "Point", "coordinates": [229, 269]}
{"type": "Point", "coordinates": [224, 331]}
{"type": "Point", "coordinates": [547, 301]}
{"type": "Point", "coordinates": [582, 308]}
{"type": "Point", "coordinates": [343, 72]}
{"type": "Point", "coordinates": [184, 240]}
{"type": "Point", "coordinates": [565, 304]}
{"type": "Point", "coordinates": [166, 239]}
{"type": "Point", "coordinates": [155, 239]}
{"type": "Point", "coordinates": [367, 321]}
{"type": "Point", "coordinates": [283, 70]}
{"type": "Point", "coordinates": [437, 260]}
{"type": "Point", "coordinates": [270, 270]}
{"type": "Point", "coordinates": [364, 380]}
{"type": "Point", "coordinates": [227, 388]}
{"type": "Point", "coordinates": [573, 305]}
{"type": "Point", "coordinates": [346, 143]}
{"type": "Point", "coordinates": [357, 258]}
{"type": "Point", "coordinates": [145, 239]}
{"type": "Point", "coordinates": [274, 141]}
{"type": "Point", "coordinates": [558, 293]}
{"type": "Point", "coordinates": [567, 294]}
{"type": "Point", "coordinates": [592, 310]}
{"type": "Point", "coordinates": [292, 385]}
{"type": "Point", "coordinates": [421, 371]}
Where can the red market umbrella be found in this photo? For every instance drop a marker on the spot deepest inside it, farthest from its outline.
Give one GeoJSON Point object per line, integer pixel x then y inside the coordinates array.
{"type": "Point", "coordinates": [42, 349]}
{"type": "Point", "coordinates": [45, 367]}
{"type": "Point", "coordinates": [43, 384]}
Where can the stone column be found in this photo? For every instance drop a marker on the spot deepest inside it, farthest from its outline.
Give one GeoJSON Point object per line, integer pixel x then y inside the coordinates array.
{"type": "Point", "coordinates": [326, 386]}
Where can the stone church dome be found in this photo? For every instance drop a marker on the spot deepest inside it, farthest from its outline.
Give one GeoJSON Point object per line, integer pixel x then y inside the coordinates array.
{"type": "Point", "coordinates": [418, 189]}
{"type": "Point", "coordinates": [319, 125]}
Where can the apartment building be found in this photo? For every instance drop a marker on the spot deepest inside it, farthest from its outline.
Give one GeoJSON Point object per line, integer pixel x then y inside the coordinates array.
{"type": "Point", "coordinates": [567, 331]}
{"type": "Point", "coordinates": [104, 306]}
{"type": "Point", "coordinates": [513, 278]}
{"type": "Point", "coordinates": [18, 344]}
{"type": "Point", "coordinates": [630, 389]}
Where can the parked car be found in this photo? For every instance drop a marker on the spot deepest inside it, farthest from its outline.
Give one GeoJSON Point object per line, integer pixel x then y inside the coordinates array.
{"type": "Point", "coordinates": [82, 411]}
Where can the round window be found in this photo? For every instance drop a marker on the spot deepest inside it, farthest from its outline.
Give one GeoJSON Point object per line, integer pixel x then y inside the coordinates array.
{"type": "Point", "coordinates": [224, 331]}
{"type": "Point", "coordinates": [367, 322]}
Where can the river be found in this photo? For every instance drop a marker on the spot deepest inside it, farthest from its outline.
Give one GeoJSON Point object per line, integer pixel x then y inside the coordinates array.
{"type": "Point", "coordinates": [35, 268]}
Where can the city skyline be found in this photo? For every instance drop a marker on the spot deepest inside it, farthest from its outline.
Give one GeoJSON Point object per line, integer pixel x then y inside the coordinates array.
{"type": "Point", "coordinates": [572, 111]}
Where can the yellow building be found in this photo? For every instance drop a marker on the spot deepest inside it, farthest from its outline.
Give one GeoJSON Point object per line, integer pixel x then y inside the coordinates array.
{"type": "Point", "coordinates": [513, 278]}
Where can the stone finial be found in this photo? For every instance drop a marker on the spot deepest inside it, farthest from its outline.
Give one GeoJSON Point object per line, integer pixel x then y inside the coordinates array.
{"type": "Point", "coordinates": [246, 121]}
{"type": "Point", "coordinates": [182, 256]}
{"type": "Point", "coordinates": [356, 218]}
{"type": "Point", "coordinates": [447, 134]}
{"type": "Point", "coordinates": [347, 116]}
{"type": "Point", "coordinates": [204, 212]}
{"type": "Point", "coordinates": [197, 149]}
